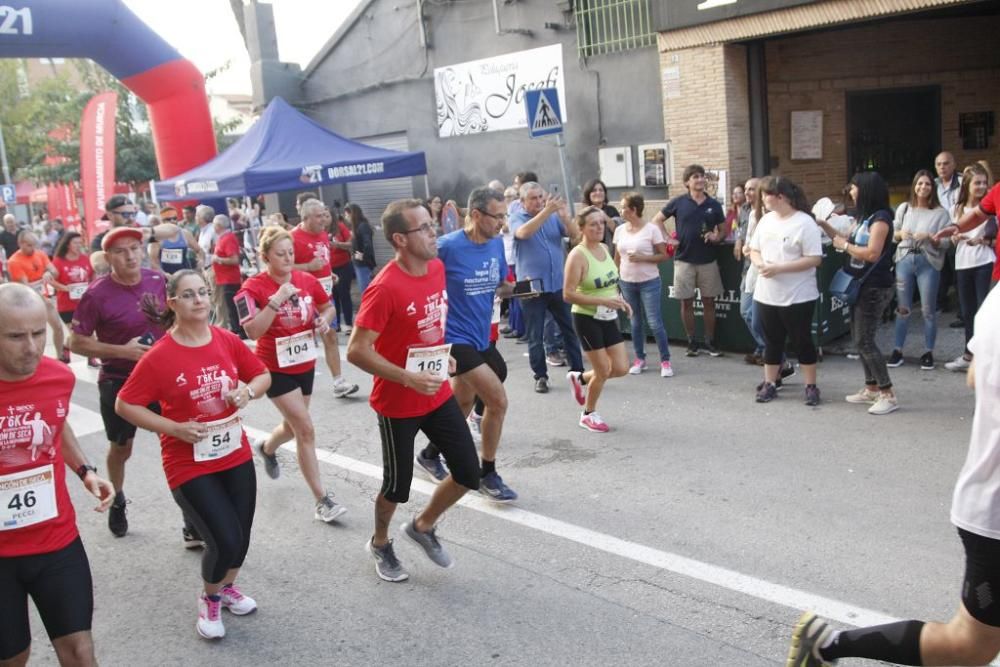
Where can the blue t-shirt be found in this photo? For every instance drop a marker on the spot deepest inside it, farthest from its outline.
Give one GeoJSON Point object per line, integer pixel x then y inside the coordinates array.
{"type": "Point", "coordinates": [540, 256]}
{"type": "Point", "coordinates": [693, 221]}
{"type": "Point", "coordinates": [473, 272]}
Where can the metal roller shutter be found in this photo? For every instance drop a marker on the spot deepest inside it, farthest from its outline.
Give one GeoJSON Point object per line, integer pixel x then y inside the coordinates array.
{"type": "Point", "coordinates": [374, 196]}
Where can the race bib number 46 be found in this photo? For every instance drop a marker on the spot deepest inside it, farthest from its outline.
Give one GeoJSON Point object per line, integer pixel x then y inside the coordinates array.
{"type": "Point", "coordinates": [297, 349]}
{"type": "Point", "coordinates": [429, 360]}
{"type": "Point", "coordinates": [27, 497]}
{"type": "Point", "coordinates": [224, 437]}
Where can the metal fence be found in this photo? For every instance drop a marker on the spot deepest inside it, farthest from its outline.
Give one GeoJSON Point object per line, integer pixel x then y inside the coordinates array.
{"type": "Point", "coordinates": [612, 26]}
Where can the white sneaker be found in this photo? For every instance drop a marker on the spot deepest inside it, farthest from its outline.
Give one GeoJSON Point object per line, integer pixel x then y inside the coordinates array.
{"type": "Point", "coordinates": [209, 623]}
{"type": "Point", "coordinates": [342, 388]}
{"type": "Point", "coordinates": [884, 405]}
{"type": "Point", "coordinates": [638, 366]}
{"type": "Point", "coordinates": [328, 509]}
{"type": "Point", "coordinates": [475, 427]}
{"type": "Point", "coordinates": [236, 602]}
{"type": "Point", "coordinates": [866, 395]}
{"type": "Point", "coordinates": [666, 370]}
{"type": "Point", "coordinates": [959, 364]}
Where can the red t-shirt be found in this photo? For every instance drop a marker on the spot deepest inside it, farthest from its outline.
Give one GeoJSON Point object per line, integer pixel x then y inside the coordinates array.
{"type": "Point", "coordinates": [340, 257]}
{"type": "Point", "coordinates": [227, 274]}
{"type": "Point", "coordinates": [989, 206]}
{"type": "Point", "coordinates": [190, 383]}
{"type": "Point", "coordinates": [291, 318]}
{"type": "Point", "coordinates": [73, 274]}
{"type": "Point", "coordinates": [406, 311]}
{"type": "Point", "coordinates": [310, 246]}
{"type": "Point", "coordinates": [31, 440]}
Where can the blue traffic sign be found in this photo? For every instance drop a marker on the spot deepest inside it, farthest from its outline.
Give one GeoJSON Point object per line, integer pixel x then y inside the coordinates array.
{"type": "Point", "coordinates": [9, 194]}
{"type": "Point", "coordinates": [542, 105]}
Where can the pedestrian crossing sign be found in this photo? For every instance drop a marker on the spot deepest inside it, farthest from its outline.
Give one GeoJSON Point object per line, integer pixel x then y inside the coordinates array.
{"type": "Point", "coordinates": [544, 117]}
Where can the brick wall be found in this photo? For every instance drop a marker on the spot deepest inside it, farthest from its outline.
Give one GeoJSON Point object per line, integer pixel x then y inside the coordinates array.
{"type": "Point", "coordinates": [815, 71]}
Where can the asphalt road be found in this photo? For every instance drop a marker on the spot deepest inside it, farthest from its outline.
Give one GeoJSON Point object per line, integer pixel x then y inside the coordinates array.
{"type": "Point", "coordinates": [690, 535]}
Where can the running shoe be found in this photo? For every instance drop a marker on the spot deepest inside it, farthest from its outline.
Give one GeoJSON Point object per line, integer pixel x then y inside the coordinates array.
{"type": "Point", "coordinates": [809, 635]}
{"type": "Point", "coordinates": [554, 360]}
{"type": "Point", "coordinates": [577, 387]}
{"type": "Point", "coordinates": [493, 487]}
{"type": "Point", "coordinates": [387, 566]}
{"type": "Point", "coordinates": [895, 359]}
{"type": "Point", "coordinates": [271, 465]}
{"type": "Point", "coordinates": [959, 365]}
{"type": "Point", "coordinates": [709, 347]}
{"type": "Point", "coordinates": [210, 617]}
{"type": "Point", "coordinates": [505, 329]}
{"type": "Point", "coordinates": [866, 395]}
{"type": "Point", "coordinates": [812, 395]}
{"type": "Point", "coordinates": [117, 521]}
{"type": "Point", "coordinates": [787, 370]}
{"type": "Point", "coordinates": [593, 423]}
{"type": "Point", "coordinates": [927, 361]}
{"type": "Point", "coordinates": [666, 370]}
{"type": "Point", "coordinates": [192, 540]}
{"type": "Point", "coordinates": [429, 543]}
{"type": "Point", "coordinates": [541, 385]}
{"type": "Point", "coordinates": [434, 467]}
{"type": "Point", "coordinates": [342, 388]}
{"type": "Point", "coordinates": [475, 427]}
{"type": "Point", "coordinates": [237, 603]}
{"type": "Point", "coordinates": [766, 392]}
{"type": "Point", "coordinates": [884, 405]}
{"type": "Point", "coordinates": [957, 324]}
{"type": "Point", "coordinates": [692, 350]}
{"type": "Point", "coordinates": [638, 366]}
{"type": "Point", "coordinates": [327, 509]}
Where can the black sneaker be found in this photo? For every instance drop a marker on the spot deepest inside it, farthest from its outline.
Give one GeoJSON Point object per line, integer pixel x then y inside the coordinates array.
{"type": "Point", "coordinates": [895, 359]}
{"type": "Point", "coordinates": [271, 465]}
{"type": "Point", "coordinates": [927, 362]}
{"type": "Point", "coordinates": [542, 386]}
{"type": "Point", "coordinates": [692, 349]}
{"type": "Point", "coordinates": [766, 392]}
{"type": "Point", "coordinates": [957, 324]}
{"type": "Point", "coordinates": [192, 540]}
{"type": "Point", "coordinates": [812, 395]}
{"type": "Point", "coordinates": [787, 371]}
{"type": "Point", "coordinates": [709, 347]}
{"type": "Point", "coordinates": [117, 521]}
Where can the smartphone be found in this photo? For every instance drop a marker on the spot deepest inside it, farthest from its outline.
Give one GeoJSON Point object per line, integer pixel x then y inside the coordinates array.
{"type": "Point", "coordinates": [530, 287]}
{"type": "Point", "coordinates": [554, 189]}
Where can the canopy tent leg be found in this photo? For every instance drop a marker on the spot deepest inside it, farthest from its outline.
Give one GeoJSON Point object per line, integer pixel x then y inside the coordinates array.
{"type": "Point", "coordinates": [427, 188]}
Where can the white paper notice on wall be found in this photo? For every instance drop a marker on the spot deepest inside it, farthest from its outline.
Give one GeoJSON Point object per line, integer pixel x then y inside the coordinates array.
{"type": "Point", "coordinates": [671, 82]}
{"type": "Point", "coordinates": [807, 135]}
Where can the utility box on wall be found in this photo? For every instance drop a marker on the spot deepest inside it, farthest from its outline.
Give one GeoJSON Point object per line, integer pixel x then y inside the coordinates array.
{"type": "Point", "coordinates": [616, 166]}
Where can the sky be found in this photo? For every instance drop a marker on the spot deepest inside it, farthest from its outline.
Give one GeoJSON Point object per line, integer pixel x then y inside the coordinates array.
{"type": "Point", "coordinates": [205, 32]}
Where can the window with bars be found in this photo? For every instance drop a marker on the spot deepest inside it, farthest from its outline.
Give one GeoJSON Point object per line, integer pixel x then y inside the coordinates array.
{"type": "Point", "coordinates": [611, 26]}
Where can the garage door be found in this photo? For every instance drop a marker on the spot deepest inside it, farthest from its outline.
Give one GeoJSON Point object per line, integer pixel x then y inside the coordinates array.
{"type": "Point", "coordinates": [374, 196]}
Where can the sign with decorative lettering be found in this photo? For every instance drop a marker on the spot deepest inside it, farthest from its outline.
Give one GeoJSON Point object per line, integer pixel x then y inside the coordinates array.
{"type": "Point", "coordinates": [488, 95]}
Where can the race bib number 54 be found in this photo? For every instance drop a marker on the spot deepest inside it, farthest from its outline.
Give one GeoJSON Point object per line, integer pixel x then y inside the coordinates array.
{"type": "Point", "coordinates": [27, 497]}
{"type": "Point", "coordinates": [429, 360]}
{"type": "Point", "coordinates": [224, 437]}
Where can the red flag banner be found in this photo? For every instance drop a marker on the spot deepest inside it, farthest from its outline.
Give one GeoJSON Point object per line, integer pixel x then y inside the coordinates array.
{"type": "Point", "coordinates": [55, 201]}
{"type": "Point", "coordinates": [97, 158]}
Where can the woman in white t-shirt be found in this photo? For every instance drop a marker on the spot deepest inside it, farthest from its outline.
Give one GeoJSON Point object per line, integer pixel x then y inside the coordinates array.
{"type": "Point", "coordinates": [639, 249]}
{"type": "Point", "coordinates": [786, 248]}
{"type": "Point", "coordinates": [974, 257]}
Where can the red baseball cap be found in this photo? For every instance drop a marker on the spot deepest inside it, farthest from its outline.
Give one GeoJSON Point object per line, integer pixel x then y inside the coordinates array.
{"type": "Point", "coordinates": [116, 233]}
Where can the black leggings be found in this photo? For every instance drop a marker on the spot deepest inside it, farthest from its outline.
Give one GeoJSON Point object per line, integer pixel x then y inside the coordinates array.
{"type": "Point", "coordinates": [221, 506]}
{"type": "Point", "coordinates": [59, 583]}
{"type": "Point", "coordinates": [793, 322]}
{"type": "Point", "coordinates": [973, 286]}
{"type": "Point", "coordinates": [342, 293]}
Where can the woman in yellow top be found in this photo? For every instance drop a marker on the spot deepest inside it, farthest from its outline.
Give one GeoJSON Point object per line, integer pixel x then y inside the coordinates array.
{"type": "Point", "coordinates": [590, 284]}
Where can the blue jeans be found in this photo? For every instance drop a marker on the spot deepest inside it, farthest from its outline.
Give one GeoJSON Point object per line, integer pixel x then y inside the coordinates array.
{"type": "Point", "coordinates": [550, 337]}
{"type": "Point", "coordinates": [914, 272]}
{"type": "Point", "coordinates": [748, 311]}
{"type": "Point", "coordinates": [644, 298]}
{"type": "Point", "coordinates": [534, 310]}
{"type": "Point", "coordinates": [364, 275]}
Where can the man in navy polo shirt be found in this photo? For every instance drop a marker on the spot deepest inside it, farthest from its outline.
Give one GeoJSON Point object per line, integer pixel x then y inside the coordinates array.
{"type": "Point", "coordinates": [539, 227]}
{"type": "Point", "coordinates": [697, 218]}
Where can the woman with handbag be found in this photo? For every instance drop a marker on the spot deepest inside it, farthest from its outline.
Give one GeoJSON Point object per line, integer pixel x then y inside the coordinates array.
{"type": "Point", "coordinates": [869, 267]}
{"type": "Point", "coordinates": [919, 259]}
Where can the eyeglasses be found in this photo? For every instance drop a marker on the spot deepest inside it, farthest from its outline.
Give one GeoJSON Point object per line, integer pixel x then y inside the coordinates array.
{"type": "Point", "coordinates": [125, 214]}
{"type": "Point", "coordinates": [501, 217]}
{"type": "Point", "coordinates": [169, 219]}
{"type": "Point", "coordinates": [189, 294]}
{"type": "Point", "coordinates": [425, 227]}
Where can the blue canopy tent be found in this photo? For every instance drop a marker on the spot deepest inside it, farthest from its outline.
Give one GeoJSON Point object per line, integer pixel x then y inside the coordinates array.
{"type": "Point", "coordinates": [286, 150]}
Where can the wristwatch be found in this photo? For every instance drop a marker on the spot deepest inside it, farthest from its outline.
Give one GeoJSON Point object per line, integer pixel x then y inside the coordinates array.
{"type": "Point", "coordinates": [84, 469]}
{"type": "Point", "coordinates": [250, 392]}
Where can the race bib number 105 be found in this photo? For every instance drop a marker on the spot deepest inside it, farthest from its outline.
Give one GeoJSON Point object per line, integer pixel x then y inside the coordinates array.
{"type": "Point", "coordinates": [429, 360]}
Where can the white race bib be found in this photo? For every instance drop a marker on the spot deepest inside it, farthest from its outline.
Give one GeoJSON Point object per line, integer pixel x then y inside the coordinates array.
{"type": "Point", "coordinates": [172, 256]}
{"type": "Point", "coordinates": [38, 286]}
{"type": "Point", "coordinates": [296, 349]}
{"type": "Point", "coordinates": [224, 437]}
{"type": "Point", "coordinates": [76, 290]}
{"type": "Point", "coordinates": [496, 311]}
{"type": "Point", "coordinates": [429, 359]}
{"type": "Point", "coordinates": [604, 313]}
{"type": "Point", "coordinates": [327, 284]}
{"type": "Point", "coordinates": [28, 497]}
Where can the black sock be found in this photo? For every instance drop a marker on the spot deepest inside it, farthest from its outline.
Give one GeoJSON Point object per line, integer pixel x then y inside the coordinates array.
{"type": "Point", "coordinates": [587, 412]}
{"type": "Point", "coordinates": [488, 467]}
{"type": "Point", "coordinates": [430, 451]}
{"type": "Point", "coordinates": [119, 498]}
{"type": "Point", "coordinates": [898, 643]}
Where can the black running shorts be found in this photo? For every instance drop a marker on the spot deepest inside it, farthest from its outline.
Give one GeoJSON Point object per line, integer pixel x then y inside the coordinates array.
{"type": "Point", "coordinates": [596, 334]}
{"type": "Point", "coordinates": [981, 587]}
{"type": "Point", "coordinates": [282, 383]}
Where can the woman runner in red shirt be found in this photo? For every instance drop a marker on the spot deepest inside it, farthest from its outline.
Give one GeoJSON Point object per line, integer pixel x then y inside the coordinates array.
{"type": "Point", "coordinates": [283, 310]}
{"type": "Point", "coordinates": [194, 373]}
{"type": "Point", "coordinates": [75, 274]}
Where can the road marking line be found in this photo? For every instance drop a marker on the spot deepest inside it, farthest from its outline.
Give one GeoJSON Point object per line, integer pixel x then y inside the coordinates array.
{"type": "Point", "coordinates": [84, 421]}
{"type": "Point", "coordinates": [664, 560]}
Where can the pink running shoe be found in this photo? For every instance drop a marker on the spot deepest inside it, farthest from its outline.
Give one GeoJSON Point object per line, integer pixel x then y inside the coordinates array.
{"type": "Point", "coordinates": [593, 423]}
{"type": "Point", "coordinates": [210, 618]}
{"type": "Point", "coordinates": [577, 387]}
{"type": "Point", "coordinates": [236, 602]}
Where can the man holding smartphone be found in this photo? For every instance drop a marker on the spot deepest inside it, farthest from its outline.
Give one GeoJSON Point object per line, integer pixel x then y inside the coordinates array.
{"type": "Point", "coordinates": [539, 226]}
